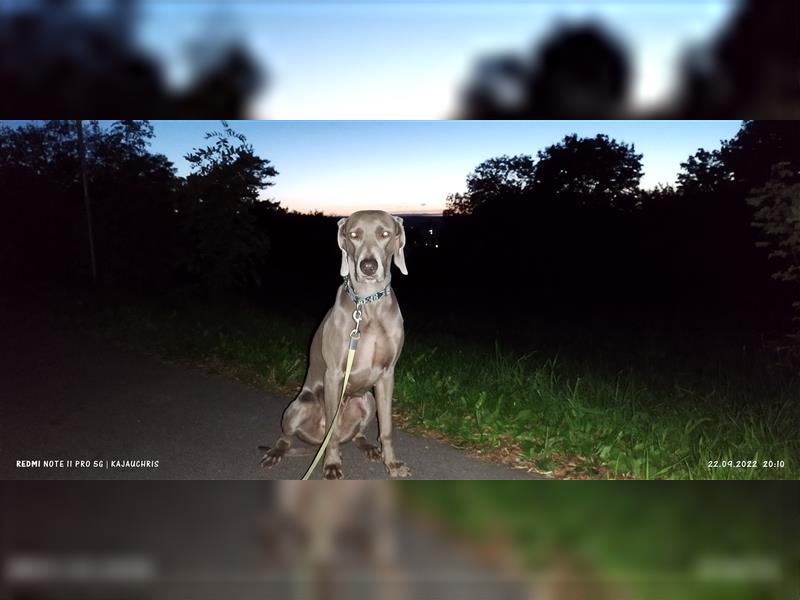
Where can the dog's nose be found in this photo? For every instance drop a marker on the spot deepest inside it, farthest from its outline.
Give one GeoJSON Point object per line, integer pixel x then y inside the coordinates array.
{"type": "Point", "coordinates": [368, 266]}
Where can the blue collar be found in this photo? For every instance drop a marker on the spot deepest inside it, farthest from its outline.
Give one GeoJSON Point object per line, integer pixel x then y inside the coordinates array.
{"type": "Point", "coordinates": [361, 300]}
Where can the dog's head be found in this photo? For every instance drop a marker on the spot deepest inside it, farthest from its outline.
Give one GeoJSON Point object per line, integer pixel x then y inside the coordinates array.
{"type": "Point", "coordinates": [369, 239]}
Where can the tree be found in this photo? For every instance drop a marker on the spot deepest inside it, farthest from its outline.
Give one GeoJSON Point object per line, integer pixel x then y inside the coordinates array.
{"type": "Point", "coordinates": [43, 230]}
{"type": "Point", "coordinates": [744, 162]}
{"type": "Point", "coordinates": [759, 145]}
{"type": "Point", "coordinates": [577, 72]}
{"type": "Point", "coordinates": [589, 172]}
{"type": "Point", "coordinates": [501, 180]}
{"type": "Point", "coordinates": [712, 211]}
{"type": "Point", "coordinates": [456, 204]}
{"type": "Point", "coordinates": [132, 196]}
{"type": "Point", "coordinates": [703, 172]}
{"type": "Point", "coordinates": [223, 246]}
{"type": "Point", "coordinates": [777, 217]}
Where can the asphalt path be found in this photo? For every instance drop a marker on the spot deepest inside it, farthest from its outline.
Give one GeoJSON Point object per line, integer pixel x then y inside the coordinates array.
{"type": "Point", "coordinates": [209, 540]}
{"type": "Point", "coordinates": [66, 395]}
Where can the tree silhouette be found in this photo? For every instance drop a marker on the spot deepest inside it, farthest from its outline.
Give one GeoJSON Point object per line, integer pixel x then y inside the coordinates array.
{"type": "Point", "coordinates": [60, 59]}
{"type": "Point", "coordinates": [43, 227]}
{"type": "Point", "coordinates": [501, 180]}
{"type": "Point", "coordinates": [131, 193]}
{"type": "Point", "coordinates": [757, 147]}
{"type": "Point", "coordinates": [578, 71]}
{"type": "Point", "coordinates": [223, 245]}
{"type": "Point", "coordinates": [703, 172]}
{"type": "Point", "coordinates": [597, 172]}
{"type": "Point", "coordinates": [133, 201]}
{"type": "Point", "coordinates": [581, 71]}
{"type": "Point", "coordinates": [149, 224]}
{"type": "Point", "coordinates": [728, 78]}
{"type": "Point", "coordinates": [592, 172]}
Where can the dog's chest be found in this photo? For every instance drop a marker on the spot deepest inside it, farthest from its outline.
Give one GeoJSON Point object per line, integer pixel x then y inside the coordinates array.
{"type": "Point", "coordinates": [377, 351]}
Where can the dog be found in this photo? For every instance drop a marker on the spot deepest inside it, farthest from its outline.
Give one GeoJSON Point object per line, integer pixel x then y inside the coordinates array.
{"type": "Point", "coordinates": [369, 240]}
{"type": "Point", "coordinates": [336, 542]}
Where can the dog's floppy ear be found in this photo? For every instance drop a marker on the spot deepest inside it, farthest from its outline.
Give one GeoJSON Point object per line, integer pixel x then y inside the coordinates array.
{"type": "Point", "coordinates": [399, 244]}
{"type": "Point", "coordinates": [344, 269]}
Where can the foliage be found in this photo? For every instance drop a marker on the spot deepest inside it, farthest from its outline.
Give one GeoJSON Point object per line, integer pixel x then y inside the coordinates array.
{"type": "Point", "coordinates": [147, 220]}
{"type": "Point", "coordinates": [578, 220]}
{"type": "Point", "coordinates": [759, 145]}
{"type": "Point", "coordinates": [504, 179]}
{"type": "Point", "coordinates": [719, 190]}
{"type": "Point", "coordinates": [596, 171]}
{"type": "Point", "coordinates": [777, 216]}
{"type": "Point", "coordinates": [217, 210]}
{"type": "Point", "coordinates": [703, 172]}
{"type": "Point", "coordinates": [593, 172]}
{"type": "Point", "coordinates": [133, 195]}
{"type": "Point", "coordinates": [129, 190]}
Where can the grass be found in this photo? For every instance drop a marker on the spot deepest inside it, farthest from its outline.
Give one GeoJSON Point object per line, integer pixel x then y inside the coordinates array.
{"type": "Point", "coordinates": [577, 420]}
{"type": "Point", "coordinates": [626, 409]}
{"type": "Point", "coordinates": [584, 530]}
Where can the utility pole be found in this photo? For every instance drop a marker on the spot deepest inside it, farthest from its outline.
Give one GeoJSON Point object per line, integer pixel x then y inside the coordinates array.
{"type": "Point", "coordinates": [86, 204]}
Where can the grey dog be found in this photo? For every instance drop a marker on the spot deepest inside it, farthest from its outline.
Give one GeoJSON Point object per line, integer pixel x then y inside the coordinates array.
{"type": "Point", "coordinates": [369, 241]}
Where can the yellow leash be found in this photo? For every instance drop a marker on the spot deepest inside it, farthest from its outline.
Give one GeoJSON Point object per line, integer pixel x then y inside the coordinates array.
{"type": "Point", "coordinates": [355, 335]}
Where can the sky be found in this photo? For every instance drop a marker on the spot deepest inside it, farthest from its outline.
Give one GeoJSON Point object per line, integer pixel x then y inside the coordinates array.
{"type": "Point", "coordinates": [338, 167]}
{"type": "Point", "coordinates": [400, 59]}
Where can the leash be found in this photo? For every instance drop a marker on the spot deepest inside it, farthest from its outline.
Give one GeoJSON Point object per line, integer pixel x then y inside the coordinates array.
{"type": "Point", "coordinates": [355, 335]}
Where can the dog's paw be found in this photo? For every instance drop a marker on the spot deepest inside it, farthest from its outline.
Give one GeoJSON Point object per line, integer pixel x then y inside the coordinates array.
{"type": "Point", "coordinates": [333, 471]}
{"type": "Point", "coordinates": [398, 469]}
{"type": "Point", "coordinates": [271, 458]}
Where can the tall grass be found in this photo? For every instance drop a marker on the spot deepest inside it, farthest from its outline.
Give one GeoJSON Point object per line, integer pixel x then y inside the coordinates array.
{"type": "Point", "coordinates": [560, 412]}
{"type": "Point", "coordinates": [567, 418]}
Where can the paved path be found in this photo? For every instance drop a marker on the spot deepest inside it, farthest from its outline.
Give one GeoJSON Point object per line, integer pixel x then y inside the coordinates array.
{"type": "Point", "coordinates": [65, 395]}
{"type": "Point", "coordinates": [209, 540]}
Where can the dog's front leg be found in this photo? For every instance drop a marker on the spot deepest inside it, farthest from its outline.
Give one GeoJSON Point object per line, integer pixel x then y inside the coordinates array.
{"type": "Point", "coordinates": [332, 466]}
{"type": "Point", "coordinates": [384, 389]}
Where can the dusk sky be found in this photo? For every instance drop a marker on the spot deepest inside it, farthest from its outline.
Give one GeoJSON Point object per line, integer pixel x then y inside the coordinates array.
{"type": "Point", "coordinates": [410, 166]}
{"type": "Point", "coordinates": [338, 167]}
{"type": "Point", "coordinates": [408, 60]}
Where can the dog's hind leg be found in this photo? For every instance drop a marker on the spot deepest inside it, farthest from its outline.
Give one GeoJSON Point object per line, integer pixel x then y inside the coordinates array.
{"type": "Point", "coordinates": [301, 418]}
{"type": "Point", "coordinates": [366, 406]}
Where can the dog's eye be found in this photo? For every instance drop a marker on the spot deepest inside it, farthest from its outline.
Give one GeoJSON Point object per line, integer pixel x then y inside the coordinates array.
{"type": "Point", "coordinates": [385, 234]}
{"type": "Point", "coordinates": [353, 234]}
